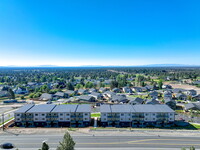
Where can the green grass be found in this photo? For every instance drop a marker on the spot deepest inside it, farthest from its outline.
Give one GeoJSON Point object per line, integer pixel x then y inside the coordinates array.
{"type": "Point", "coordinates": [7, 120]}
{"type": "Point", "coordinates": [95, 115]}
{"type": "Point", "coordinates": [197, 126]}
{"type": "Point", "coordinates": [72, 129]}
{"type": "Point", "coordinates": [180, 111]}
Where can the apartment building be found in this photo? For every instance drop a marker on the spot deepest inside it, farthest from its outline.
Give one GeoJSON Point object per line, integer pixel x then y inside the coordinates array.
{"type": "Point", "coordinates": [136, 115]}
{"type": "Point", "coordinates": [53, 115]}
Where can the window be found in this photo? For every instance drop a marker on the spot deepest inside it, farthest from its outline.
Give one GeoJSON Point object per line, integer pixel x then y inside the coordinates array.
{"type": "Point", "coordinates": [43, 114]}
{"type": "Point", "coordinates": [67, 114]}
{"type": "Point", "coordinates": [153, 118]}
{"type": "Point", "coordinates": [18, 114]}
{"type": "Point", "coordinates": [43, 119]}
{"type": "Point", "coordinates": [153, 114]}
{"type": "Point", "coordinates": [171, 114]}
{"type": "Point", "coordinates": [18, 119]}
{"type": "Point", "coordinates": [61, 114]}
{"type": "Point", "coordinates": [36, 118]}
{"type": "Point", "coordinates": [85, 119]}
{"type": "Point", "coordinates": [146, 114]}
{"type": "Point", "coordinates": [61, 118]}
{"type": "Point", "coordinates": [67, 118]}
{"type": "Point", "coordinates": [122, 114]}
{"type": "Point", "coordinates": [104, 118]}
{"type": "Point", "coordinates": [36, 114]}
{"type": "Point", "coordinates": [86, 114]}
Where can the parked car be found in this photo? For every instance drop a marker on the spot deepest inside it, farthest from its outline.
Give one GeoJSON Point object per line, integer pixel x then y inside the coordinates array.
{"type": "Point", "coordinates": [7, 146]}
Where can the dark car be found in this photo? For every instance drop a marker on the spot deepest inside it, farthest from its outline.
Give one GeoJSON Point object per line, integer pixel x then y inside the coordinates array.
{"type": "Point", "coordinates": [7, 146]}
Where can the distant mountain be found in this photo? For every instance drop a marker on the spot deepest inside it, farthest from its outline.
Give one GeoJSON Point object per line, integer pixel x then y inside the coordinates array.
{"type": "Point", "coordinates": [150, 65]}
{"type": "Point", "coordinates": [168, 65]}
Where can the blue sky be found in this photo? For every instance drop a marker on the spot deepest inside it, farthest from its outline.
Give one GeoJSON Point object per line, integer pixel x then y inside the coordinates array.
{"type": "Point", "coordinates": [99, 32]}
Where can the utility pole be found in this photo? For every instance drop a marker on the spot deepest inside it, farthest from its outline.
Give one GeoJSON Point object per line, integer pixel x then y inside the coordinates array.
{"type": "Point", "coordinates": [3, 121]}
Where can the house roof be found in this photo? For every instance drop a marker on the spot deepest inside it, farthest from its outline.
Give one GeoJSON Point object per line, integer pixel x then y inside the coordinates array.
{"type": "Point", "coordinates": [152, 101]}
{"type": "Point", "coordinates": [85, 97]}
{"type": "Point", "coordinates": [46, 96]}
{"type": "Point", "coordinates": [24, 108]}
{"type": "Point", "coordinates": [95, 94]}
{"type": "Point", "coordinates": [44, 108]}
{"type": "Point", "coordinates": [69, 92]}
{"type": "Point", "coordinates": [135, 100]}
{"type": "Point", "coordinates": [61, 94]}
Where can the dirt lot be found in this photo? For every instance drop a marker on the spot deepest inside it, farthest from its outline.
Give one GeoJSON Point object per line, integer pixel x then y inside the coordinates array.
{"type": "Point", "coordinates": [185, 86]}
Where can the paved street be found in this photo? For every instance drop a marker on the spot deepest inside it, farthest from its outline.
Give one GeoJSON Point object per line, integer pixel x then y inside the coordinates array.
{"type": "Point", "coordinates": [29, 142]}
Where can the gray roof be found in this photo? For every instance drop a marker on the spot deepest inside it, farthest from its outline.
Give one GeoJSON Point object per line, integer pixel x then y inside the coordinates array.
{"type": "Point", "coordinates": [61, 94]}
{"type": "Point", "coordinates": [105, 108]}
{"type": "Point", "coordinates": [152, 108]}
{"type": "Point", "coordinates": [65, 108]}
{"type": "Point", "coordinates": [136, 108]}
{"type": "Point", "coordinates": [121, 108]}
{"type": "Point", "coordinates": [45, 108]}
{"type": "Point", "coordinates": [152, 101]}
{"type": "Point", "coordinates": [85, 97]}
{"type": "Point", "coordinates": [84, 108]}
{"type": "Point", "coordinates": [24, 108]}
{"type": "Point", "coordinates": [95, 94]}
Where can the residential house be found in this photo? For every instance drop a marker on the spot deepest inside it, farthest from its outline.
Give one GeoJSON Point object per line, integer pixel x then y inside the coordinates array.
{"type": "Point", "coordinates": [102, 90]}
{"type": "Point", "coordinates": [135, 100]}
{"type": "Point", "coordinates": [191, 93]}
{"type": "Point", "coordinates": [152, 101]}
{"type": "Point", "coordinates": [92, 90]}
{"type": "Point", "coordinates": [96, 95]}
{"type": "Point", "coordinates": [127, 90]}
{"type": "Point", "coordinates": [20, 90]}
{"type": "Point", "coordinates": [150, 87]}
{"type": "Point", "coordinates": [59, 95]}
{"type": "Point", "coordinates": [137, 89]}
{"type": "Point", "coordinates": [4, 94]}
{"type": "Point", "coordinates": [82, 91]}
{"type": "Point", "coordinates": [171, 103]}
{"type": "Point", "coordinates": [70, 92]}
{"type": "Point", "coordinates": [166, 86]}
{"type": "Point", "coordinates": [46, 97]}
{"type": "Point", "coordinates": [192, 106]}
{"type": "Point", "coordinates": [178, 90]}
{"type": "Point", "coordinates": [116, 90]}
{"type": "Point", "coordinates": [119, 99]}
{"type": "Point", "coordinates": [87, 98]}
{"type": "Point", "coordinates": [108, 94]}
{"type": "Point", "coordinates": [180, 96]}
{"type": "Point", "coordinates": [153, 94]}
{"type": "Point", "coordinates": [167, 94]}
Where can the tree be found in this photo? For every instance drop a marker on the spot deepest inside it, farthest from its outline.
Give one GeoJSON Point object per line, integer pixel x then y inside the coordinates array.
{"type": "Point", "coordinates": [113, 84]}
{"type": "Point", "coordinates": [70, 86]}
{"type": "Point", "coordinates": [11, 93]}
{"type": "Point", "coordinates": [183, 148]}
{"type": "Point", "coordinates": [67, 143]}
{"type": "Point", "coordinates": [160, 84]}
{"type": "Point", "coordinates": [45, 146]}
{"type": "Point", "coordinates": [192, 148]}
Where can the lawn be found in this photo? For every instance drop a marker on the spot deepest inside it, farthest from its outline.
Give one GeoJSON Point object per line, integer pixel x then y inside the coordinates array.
{"type": "Point", "coordinates": [95, 115]}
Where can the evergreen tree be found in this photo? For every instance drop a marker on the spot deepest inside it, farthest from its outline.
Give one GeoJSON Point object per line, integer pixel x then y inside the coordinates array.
{"type": "Point", "coordinates": [192, 148]}
{"type": "Point", "coordinates": [70, 86]}
{"type": "Point", "coordinates": [11, 93]}
{"type": "Point", "coordinates": [45, 146]}
{"type": "Point", "coordinates": [67, 143]}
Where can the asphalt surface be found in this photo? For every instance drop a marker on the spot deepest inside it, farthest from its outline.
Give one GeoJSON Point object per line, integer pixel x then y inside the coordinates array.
{"type": "Point", "coordinates": [90, 142]}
